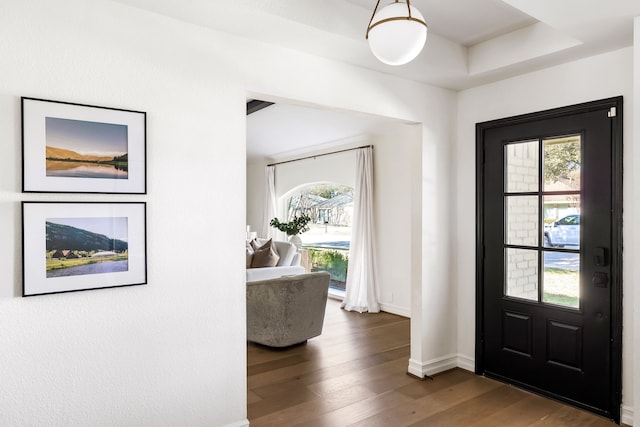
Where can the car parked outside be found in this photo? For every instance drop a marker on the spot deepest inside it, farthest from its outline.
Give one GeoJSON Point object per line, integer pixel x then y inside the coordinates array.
{"type": "Point", "coordinates": [563, 232]}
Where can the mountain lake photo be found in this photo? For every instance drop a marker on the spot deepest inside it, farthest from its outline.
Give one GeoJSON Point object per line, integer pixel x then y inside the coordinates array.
{"type": "Point", "coordinates": [79, 246]}
{"type": "Point", "coordinates": [84, 149]}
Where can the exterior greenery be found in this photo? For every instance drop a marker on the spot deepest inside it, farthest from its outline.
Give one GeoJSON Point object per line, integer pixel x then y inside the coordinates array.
{"type": "Point", "coordinates": [335, 262]}
{"type": "Point", "coordinates": [561, 160]}
{"type": "Point", "coordinates": [296, 226]}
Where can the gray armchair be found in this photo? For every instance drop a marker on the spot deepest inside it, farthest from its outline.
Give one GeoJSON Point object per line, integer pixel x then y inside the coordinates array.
{"type": "Point", "coordinates": [287, 310]}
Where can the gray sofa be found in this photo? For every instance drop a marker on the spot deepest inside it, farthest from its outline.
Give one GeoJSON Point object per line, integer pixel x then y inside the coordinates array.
{"type": "Point", "coordinates": [288, 310]}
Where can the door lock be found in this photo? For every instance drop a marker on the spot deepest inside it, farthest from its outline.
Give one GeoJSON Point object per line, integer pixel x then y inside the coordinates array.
{"type": "Point", "coordinates": [600, 258]}
{"type": "Point", "coordinates": [600, 280]}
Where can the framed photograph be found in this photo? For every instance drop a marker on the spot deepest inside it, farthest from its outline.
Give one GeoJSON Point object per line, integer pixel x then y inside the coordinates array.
{"type": "Point", "coordinates": [74, 148]}
{"type": "Point", "coordinates": [70, 246]}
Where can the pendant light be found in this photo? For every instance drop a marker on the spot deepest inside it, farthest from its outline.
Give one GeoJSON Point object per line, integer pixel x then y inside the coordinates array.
{"type": "Point", "coordinates": [396, 33]}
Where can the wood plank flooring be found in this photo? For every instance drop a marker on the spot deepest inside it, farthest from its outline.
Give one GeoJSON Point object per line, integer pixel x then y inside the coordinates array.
{"type": "Point", "coordinates": [354, 374]}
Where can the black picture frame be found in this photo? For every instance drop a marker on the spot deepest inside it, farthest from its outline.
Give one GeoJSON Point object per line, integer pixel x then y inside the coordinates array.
{"type": "Point", "coordinates": [78, 148]}
{"type": "Point", "coordinates": [77, 246]}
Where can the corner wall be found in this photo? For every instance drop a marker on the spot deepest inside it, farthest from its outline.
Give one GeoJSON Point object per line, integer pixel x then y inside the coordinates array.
{"type": "Point", "coordinates": [593, 78]}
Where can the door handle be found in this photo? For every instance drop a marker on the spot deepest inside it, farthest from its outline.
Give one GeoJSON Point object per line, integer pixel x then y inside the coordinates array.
{"type": "Point", "coordinates": [600, 258]}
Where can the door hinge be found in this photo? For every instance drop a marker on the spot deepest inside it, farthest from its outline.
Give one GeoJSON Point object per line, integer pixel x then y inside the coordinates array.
{"type": "Point", "coordinates": [612, 112]}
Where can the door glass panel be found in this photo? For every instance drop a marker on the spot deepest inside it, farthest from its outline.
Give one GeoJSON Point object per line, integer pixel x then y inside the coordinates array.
{"type": "Point", "coordinates": [562, 221]}
{"type": "Point", "coordinates": [559, 199]}
{"type": "Point", "coordinates": [562, 162]}
{"type": "Point", "coordinates": [521, 166]}
{"type": "Point", "coordinates": [561, 280]}
{"type": "Point", "coordinates": [522, 220]}
{"type": "Point", "coordinates": [522, 273]}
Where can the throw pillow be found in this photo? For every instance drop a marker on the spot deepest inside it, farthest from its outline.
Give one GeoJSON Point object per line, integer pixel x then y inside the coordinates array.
{"type": "Point", "coordinates": [264, 257]}
{"type": "Point", "coordinates": [257, 244]}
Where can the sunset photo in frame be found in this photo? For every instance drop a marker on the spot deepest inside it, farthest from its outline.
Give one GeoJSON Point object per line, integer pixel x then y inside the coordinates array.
{"type": "Point", "coordinates": [75, 148]}
{"type": "Point", "coordinates": [69, 246]}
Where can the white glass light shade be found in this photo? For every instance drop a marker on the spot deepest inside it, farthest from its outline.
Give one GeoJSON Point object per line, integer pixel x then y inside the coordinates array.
{"type": "Point", "coordinates": [397, 42]}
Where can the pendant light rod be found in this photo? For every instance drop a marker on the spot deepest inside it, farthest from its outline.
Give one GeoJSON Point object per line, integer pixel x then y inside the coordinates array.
{"type": "Point", "coordinates": [375, 9]}
{"type": "Point", "coordinates": [397, 18]}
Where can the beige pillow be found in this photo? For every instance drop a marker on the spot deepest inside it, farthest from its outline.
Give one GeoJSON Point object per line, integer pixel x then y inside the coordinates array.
{"type": "Point", "coordinates": [258, 244]}
{"type": "Point", "coordinates": [255, 244]}
{"type": "Point", "coordinates": [265, 257]}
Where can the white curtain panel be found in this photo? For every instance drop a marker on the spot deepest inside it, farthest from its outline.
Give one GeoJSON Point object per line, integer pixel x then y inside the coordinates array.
{"type": "Point", "coordinates": [362, 280]}
{"type": "Point", "coordinates": [270, 207]}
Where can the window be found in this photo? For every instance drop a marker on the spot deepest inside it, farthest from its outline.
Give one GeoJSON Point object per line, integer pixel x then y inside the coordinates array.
{"type": "Point", "coordinates": [542, 220]}
{"type": "Point", "coordinates": [330, 207]}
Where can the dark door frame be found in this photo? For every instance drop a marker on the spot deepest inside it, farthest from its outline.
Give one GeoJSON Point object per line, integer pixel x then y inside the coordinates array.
{"type": "Point", "coordinates": [616, 243]}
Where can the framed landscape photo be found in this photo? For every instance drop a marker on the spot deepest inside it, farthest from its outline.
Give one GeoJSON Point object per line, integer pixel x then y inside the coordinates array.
{"type": "Point", "coordinates": [71, 246]}
{"type": "Point", "coordinates": [75, 148]}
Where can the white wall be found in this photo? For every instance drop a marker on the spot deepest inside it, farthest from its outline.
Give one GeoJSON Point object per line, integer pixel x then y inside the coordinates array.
{"type": "Point", "coordinates": [598, 77]}
{"type": "Point", "coordinates": [396, 171]}
{"type": "Point", "coordinates": [433, 303]}
{"type": "Point", "coordinates": [145, 355]}
{"type": "Point", "coordinates": [173, 352]}
{"type": "Point", "coordinates": [255, 193]}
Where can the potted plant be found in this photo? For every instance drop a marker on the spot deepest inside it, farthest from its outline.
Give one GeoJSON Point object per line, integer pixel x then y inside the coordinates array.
{"type": "Point", "coordinates": [294, 227]}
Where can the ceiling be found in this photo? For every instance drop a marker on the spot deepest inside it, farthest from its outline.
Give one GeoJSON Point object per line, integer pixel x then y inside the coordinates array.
{"type": "Point", "coordinates": [284, 130]}
{"type": "Point", "coordinates": [481, 21]}
{"type": "Point", "coordinates": [470, 42]}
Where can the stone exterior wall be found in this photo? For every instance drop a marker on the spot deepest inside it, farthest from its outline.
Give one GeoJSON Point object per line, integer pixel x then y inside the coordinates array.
{"type": "Point", "coordinates": [522, 273]}
{"type": "Point", "coordinates": [522, 214]}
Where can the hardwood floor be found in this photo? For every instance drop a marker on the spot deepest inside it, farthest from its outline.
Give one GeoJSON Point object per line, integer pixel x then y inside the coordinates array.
{"type": "Point", "coordinates": [354, 374]}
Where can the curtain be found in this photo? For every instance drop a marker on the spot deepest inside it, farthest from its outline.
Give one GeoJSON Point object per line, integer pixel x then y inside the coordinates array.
{"type": "Point", "coordinates": [362, 282]}
{"type": "Point", "coordinates": [270, 207]}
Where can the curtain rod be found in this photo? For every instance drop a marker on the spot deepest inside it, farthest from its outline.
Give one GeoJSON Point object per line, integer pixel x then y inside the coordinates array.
{"type": "Point", "coordinates": [320, 155]}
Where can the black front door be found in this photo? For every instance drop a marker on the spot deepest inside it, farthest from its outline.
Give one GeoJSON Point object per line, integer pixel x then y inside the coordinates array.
{"type": "Point", "coordinates": [549, 251]}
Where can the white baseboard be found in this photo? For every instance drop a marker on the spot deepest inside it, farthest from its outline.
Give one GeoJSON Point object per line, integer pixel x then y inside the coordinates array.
{"type": "Point", "coordinates": [441, 364]}
{"type": "Point", "coordinates": [395, 309]}
{"type": "Point", "coordinates": [243, 423]}
{"type": "Point", "coordinates": [432, 367]}
{"type": "Point", "coordinates": [466, 362]}
{"type": "Point", "coordinates": [626, 416]}
{"type": "Point", "coordinates": [415, 369]}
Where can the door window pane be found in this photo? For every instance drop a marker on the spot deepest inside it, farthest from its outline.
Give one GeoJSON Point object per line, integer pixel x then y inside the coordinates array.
{"type": "Point", "coordinates": [562, 221]}
{"type": "Point", "coordinates": [522, 273]}
{"type": "Point", "coordinates": [561, 280]}
{"type": "Point", "coordinates": [559, 198]}
{"type": "Point", "coordinates": [562, 162]}
{"type": "Point", "coordinates": [522, 220]}
{"type": "Point", "coordinates": [521, 165]}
